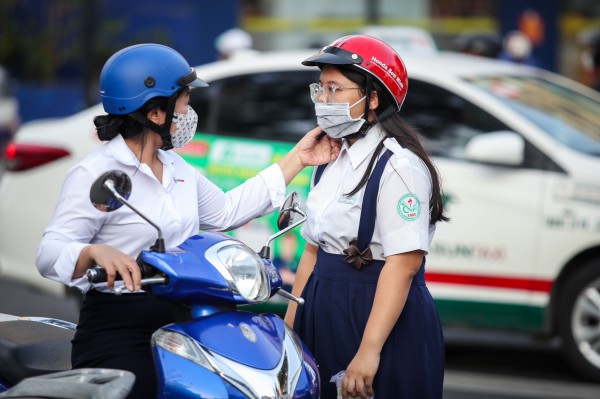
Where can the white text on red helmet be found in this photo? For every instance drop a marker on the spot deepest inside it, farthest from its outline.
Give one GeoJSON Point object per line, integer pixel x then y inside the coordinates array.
{"type": "Point", "coordinates": [388, 70]}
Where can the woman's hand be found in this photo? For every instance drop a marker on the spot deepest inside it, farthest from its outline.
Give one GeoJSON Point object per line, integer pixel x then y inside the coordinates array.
{"type": "Point", "coordinates": [317, 148]}
{"type": "Point", "coordinates": [309, 151]}
{"type": "Point", "coordinates": [113, 261]}
{"type": "Point", "coordinates": [358, 381]}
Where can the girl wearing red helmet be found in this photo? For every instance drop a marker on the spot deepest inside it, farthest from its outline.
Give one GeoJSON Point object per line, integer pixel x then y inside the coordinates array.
{"type": "Point", "coordinates": [145, 92]}
{"type": "Point", "coordinates": [372, 215]}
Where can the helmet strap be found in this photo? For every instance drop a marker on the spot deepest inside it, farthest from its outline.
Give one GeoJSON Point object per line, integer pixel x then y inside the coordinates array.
{"type": "Point", "coordinates": [386, 114]}
{"type": "Point", "coordinates": [362, 132]}
{"type": "Point", "coordinates": [164, 130]}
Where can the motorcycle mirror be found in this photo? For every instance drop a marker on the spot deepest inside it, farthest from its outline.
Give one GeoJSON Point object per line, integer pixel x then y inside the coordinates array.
{"type": "Point", "coordinates": [285, 221]}
{"type": "Point", "coordinates": [103, 198]}
{"type": "Point", "coordinates": [286, 211]}
{"type": "Point", "coordinates": [111, 190]}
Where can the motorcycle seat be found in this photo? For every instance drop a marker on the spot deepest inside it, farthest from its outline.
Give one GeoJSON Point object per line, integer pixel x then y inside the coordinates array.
{"type": "Point", "coordinates": [30, 348]}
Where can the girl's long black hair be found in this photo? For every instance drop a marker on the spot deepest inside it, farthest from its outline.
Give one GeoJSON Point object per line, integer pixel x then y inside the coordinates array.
{"type": "Point", "coordinates": [396, 127]}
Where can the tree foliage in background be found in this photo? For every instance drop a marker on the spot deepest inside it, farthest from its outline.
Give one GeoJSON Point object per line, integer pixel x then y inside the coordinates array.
{"type": "Point", "coordinates": [39, 41]}
{"type": "Point", "coordinates": [46, 41]}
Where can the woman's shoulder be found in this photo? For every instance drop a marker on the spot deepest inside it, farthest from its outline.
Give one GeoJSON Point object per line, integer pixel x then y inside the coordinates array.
{"type": "Point", "coordinates": [95, 159]}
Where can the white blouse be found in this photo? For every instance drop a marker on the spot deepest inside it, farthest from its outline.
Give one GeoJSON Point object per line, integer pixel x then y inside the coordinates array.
{"type": "Point", "coordinates": [402, 223]}
{"type": "Point", "coordinates": [185, 202]}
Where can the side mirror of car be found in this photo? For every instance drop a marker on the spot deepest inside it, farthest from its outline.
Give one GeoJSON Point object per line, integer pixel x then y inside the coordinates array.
{"type": "Point", "coordinates": [497, 148]}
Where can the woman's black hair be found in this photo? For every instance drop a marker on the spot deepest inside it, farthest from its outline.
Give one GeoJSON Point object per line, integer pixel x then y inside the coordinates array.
{"type": "Point", "coordinates": [109, 125]}
{"type": "Point", "coordinates": [397, 128]}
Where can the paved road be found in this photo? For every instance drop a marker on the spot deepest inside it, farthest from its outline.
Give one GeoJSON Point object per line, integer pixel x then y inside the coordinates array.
{"type": "Point", "coordinates": [500, 366]}
{"type": "Point", "coordinates": [478, 366]}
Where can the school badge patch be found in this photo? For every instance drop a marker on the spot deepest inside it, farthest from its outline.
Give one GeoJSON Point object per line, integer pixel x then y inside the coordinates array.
{"type": "Point", "coordinates": [409, 207]}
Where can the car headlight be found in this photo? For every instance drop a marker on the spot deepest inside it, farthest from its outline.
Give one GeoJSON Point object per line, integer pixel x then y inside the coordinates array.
{"type": "Point", "coordinates": [242, 268]}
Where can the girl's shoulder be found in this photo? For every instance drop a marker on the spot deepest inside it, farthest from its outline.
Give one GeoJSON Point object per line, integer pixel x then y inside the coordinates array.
{"type": "Point", "coordinates": [403, 158]}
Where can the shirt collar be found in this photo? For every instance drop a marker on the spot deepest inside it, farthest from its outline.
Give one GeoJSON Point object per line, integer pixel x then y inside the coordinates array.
{"type": "Point", "coordinates": [122, 153]}
{"type": "Point", "coordinates": [360, 150]}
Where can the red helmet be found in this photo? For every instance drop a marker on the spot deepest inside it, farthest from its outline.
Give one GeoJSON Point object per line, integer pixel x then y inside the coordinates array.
{"type": "Point", "coordinates": [370, 55]}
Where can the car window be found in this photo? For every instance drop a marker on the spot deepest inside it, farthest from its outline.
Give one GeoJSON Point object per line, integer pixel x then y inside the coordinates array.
{"type": "Point", "coordinates": [267, 105]}
{"type": "Point", "coordinates": [568, 116]}
{"type": "Point", "coordinates": [445, 120]}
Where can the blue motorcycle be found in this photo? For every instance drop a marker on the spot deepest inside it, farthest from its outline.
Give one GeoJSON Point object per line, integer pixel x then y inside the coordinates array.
{"type": "Point", "coordinates": [218, 350]}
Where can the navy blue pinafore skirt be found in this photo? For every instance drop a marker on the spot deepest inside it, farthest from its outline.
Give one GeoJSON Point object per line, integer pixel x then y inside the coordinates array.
{"type": "Point", "coordinates": [338, 302]}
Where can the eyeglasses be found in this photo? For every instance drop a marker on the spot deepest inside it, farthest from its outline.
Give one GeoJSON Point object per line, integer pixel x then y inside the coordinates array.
{"type": "Point", "coordinates": [327, 92]}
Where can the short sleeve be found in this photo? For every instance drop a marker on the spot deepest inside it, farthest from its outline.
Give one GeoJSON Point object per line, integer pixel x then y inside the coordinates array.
{"type": "Point", "coordinates": [403, 206]}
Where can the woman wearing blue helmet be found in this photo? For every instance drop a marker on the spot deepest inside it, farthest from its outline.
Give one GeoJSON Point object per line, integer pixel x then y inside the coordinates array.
{"type": "Point", "coordinates": [145, 92]}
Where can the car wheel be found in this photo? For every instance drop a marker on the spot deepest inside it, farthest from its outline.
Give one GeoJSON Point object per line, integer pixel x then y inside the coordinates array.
{"type": "Point", "coordinates": [579, 320]}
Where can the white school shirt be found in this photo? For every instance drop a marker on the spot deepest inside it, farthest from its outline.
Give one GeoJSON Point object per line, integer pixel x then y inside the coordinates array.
{"type": "Point", "coordinates": [402, 223]}
{"type": "Point", "coordinates": [185, 202]}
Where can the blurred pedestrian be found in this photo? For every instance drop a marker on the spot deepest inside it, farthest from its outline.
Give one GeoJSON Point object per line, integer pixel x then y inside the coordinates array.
{"type": "Point", "coordinates": [590, 56]}
{"type": "Point", "coordinates": [481, 44]}
{"type": "Point", "coordinates": [371, 218]}
{"type": "Point", "coordinates": [517, 48]}
{"type": "Point", "coordinates": [234, 42]}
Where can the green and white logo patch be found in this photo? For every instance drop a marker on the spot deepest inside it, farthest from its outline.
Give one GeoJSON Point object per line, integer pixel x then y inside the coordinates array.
{"type": "Point", "coordinates": [409, 207]}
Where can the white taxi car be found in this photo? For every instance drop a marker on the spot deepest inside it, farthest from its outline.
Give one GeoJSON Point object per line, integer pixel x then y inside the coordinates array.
{"type": "Point", "coordinates": [519, 154]}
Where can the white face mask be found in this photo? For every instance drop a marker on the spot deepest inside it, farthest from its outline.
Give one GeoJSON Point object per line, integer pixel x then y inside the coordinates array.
{"type": "Point", "coordinates": [186, 127]}
{"type": "Point", "coordinates": [335, 119]}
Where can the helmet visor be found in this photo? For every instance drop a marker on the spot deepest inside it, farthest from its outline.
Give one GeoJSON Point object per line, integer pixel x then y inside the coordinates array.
{"type": "Point", "coordinates": [333, 55]}
{"type": "Point", "coordinates": [191, 80]}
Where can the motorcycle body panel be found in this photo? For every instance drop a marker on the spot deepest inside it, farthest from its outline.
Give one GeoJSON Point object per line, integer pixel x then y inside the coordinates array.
{"type": "Point", "coordinates": [30, 348]}
{"type": "Point", "coordinates": [250, 355]}
{"type": "Point", "coordinates": [193, 278]}
{"type": "Point", "coordinates": [248, 338]}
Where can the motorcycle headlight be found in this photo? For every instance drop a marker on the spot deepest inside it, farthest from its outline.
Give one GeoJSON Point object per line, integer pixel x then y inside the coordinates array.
{"type": "Point", "coordinates": [182, 346]}
{"type": "Point", "coordinates": [243, 269]}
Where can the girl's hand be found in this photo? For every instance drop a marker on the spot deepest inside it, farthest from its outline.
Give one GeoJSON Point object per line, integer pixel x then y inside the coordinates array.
{"type": "Point", "coordinates": [360, 373]}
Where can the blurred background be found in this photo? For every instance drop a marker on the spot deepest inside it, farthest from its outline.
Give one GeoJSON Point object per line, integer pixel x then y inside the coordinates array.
{"type": "Point", "coordinates": [52, 50]}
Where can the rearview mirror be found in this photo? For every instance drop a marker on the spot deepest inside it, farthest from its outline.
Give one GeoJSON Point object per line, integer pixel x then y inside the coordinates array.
{"type": "Point", "coordinates": [287, 211]}
{"type": "Point", "coordinates": [103, 198]}
{"type": "Point", "coordinates": [285, 221]}
{"type": "Point", "coordinates": [111, 191]}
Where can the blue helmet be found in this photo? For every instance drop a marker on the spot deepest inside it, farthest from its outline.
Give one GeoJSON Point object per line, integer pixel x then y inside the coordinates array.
{"type": "Point", "coordinates": [136, 74]}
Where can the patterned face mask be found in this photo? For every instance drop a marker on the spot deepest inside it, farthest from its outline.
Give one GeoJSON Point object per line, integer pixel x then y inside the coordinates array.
{"type": "Point", "coordinates": [186, 127]}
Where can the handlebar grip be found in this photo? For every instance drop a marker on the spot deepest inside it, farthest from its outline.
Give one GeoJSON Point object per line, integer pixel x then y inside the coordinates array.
{"type": "Point", "coordinates": [97, 275]}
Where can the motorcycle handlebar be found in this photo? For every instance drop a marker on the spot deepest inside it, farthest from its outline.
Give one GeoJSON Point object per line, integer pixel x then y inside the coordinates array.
{"type": "Point", "coordinates": [98, 275]}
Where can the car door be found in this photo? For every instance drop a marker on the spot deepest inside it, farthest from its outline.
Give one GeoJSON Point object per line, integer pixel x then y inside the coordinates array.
{"type": "Point", "coordinates": [479, 267]}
